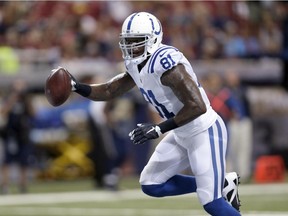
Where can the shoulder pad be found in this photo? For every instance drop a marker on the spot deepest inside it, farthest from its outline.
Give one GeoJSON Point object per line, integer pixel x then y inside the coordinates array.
{"type": "Point", "coordinates": [163, 59]}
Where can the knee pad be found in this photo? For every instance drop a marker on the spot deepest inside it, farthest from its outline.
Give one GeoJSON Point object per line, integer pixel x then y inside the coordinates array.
{"type": "Point", "coordinates": [204, 196]}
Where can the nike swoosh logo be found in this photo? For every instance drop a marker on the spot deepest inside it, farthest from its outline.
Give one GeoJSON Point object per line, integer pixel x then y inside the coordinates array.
{"type": "Point", "coordinates": [161, 55]}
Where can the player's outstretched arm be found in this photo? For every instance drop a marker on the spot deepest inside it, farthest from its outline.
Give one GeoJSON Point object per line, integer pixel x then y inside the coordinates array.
{"type": "Point", "coordinates": [104, 91]}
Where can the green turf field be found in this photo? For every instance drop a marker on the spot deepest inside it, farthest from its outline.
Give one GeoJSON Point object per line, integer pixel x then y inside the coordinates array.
{"type": "Point", "coordinates": [71, 198]}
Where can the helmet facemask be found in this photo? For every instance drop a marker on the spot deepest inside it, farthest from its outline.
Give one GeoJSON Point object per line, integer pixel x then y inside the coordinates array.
{"type": "Point", "coordinates": [134, 47]}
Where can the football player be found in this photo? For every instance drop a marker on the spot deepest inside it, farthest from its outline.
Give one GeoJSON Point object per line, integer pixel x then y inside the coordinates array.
{"type": "Point", "coordinates": [196, 135]}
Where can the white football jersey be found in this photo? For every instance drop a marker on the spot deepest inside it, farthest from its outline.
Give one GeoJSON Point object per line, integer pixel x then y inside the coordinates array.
{"type": "Point", "coordinates": [162, 97]}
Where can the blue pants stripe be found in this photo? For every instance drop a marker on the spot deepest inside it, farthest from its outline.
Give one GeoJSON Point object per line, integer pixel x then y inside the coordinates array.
{"type": "Point", "coordinates": [213, 154]}
{"type": "Point", "coordinates": [222, 157]}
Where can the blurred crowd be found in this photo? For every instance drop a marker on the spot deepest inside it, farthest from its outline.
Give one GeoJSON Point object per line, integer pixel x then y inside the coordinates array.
{"type": "Point", "coordinates": [200, 29]}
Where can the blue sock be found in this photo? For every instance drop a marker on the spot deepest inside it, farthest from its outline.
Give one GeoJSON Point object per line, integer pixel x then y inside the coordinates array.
{"type": "Point", "coordinates": [177, 185]}
{"type": "Point", "coordinates": [220, 207]}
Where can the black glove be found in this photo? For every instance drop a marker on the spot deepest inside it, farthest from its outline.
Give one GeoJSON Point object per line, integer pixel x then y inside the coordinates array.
{"type": "Point", "coordinates": [144, 132]}
{"type": "Point", "coordinates": [74, 83]}
{"type": "Point", "coordinates": [80, 88]}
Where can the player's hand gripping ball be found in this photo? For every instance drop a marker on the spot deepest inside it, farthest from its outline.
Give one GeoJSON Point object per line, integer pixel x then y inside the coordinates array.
{"type": "Point", "coordinates": [58, 86]}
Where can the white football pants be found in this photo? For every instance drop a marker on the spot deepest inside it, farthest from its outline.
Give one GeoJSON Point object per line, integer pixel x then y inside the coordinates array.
{"type": "Point", "coordinates": [204, 153]}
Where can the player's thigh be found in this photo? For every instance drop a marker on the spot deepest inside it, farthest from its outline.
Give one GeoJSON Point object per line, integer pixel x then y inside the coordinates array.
{"type": "Point", "coordinates": [168, 159]}
{"type": "Point", "coordinates": [207, 160]}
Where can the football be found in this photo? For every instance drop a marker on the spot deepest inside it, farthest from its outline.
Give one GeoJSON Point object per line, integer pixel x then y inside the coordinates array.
{"type": "Point", "coordinates": [58, 86]}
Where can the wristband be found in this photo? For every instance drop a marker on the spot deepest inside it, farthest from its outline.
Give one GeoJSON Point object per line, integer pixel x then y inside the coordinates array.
{"type": "Point", "coordinates": [83, 89]}
{"type": "Point", "coordinates": [167, 125]}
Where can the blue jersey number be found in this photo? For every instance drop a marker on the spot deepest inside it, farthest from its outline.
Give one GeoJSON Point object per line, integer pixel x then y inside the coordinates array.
{"type": "Point", "coordinates": [167, 62]}
{"type": "Point", "coordinates": [150, 97]}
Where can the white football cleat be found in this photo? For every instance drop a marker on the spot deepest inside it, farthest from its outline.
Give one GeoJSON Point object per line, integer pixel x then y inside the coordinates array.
{"type": "Point", "coordinates": [230, 190]}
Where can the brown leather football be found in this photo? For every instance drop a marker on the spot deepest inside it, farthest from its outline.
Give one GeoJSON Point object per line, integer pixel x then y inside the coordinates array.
{"type": "Point", "coordinates": [58, 86]}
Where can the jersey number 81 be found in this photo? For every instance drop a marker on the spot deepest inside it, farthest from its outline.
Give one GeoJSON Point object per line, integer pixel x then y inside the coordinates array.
{"type": "Point", "coordinates": [150, 97]}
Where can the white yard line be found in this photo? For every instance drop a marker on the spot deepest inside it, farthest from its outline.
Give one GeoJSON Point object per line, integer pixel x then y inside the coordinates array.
{"type": "Point", "coordinates": [7, 201]}
{"type": "Point", "coordinates": [88, 196]}
{"type": "Point", "coordinates": [55, 211]}
{"type": "Point", "coordinates": [98, 196]}
{"type": "Point", "coordinates": [58, 211]}
{"type": "Point", "coordinates": [262, 189]}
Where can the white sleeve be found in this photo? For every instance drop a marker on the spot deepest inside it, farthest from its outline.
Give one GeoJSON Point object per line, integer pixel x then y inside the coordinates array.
{"type": "Point", "coordinates": [164, 59]}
